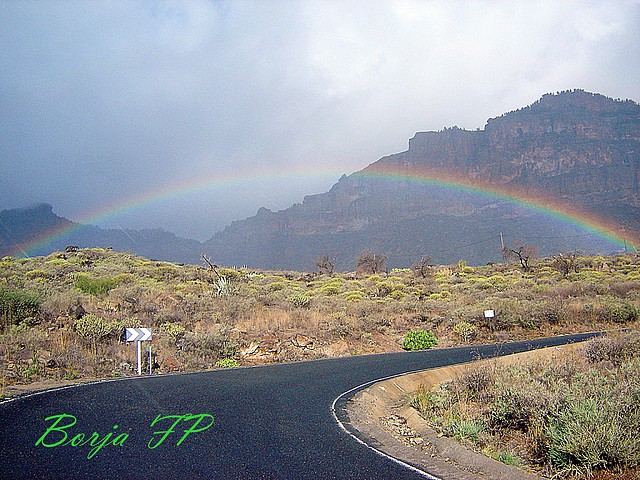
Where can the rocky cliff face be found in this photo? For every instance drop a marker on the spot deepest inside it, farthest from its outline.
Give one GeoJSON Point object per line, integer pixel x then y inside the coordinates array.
{"type": "Point", "coordinates": [555, 145]}
{"type": "Point", "coordinates": [575, 148]}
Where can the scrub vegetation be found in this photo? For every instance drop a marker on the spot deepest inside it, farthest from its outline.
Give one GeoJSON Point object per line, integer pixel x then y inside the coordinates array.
{"type": "Point", "coordinates": [576, 414]}
{"type": "Point", "coordinates": [419, 340]}
{"type": "Point", "coordinates": [62, 315]}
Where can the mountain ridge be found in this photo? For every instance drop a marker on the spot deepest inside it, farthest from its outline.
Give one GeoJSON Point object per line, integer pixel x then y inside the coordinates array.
{"type": "Point", "coordinates": [36, 230]}
{"type": "Point", "coordinates": [574, 147]}
{"type": "Point", "coordinates": [452, 195]}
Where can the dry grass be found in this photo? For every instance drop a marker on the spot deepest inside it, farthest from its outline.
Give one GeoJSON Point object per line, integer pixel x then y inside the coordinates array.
{"type": "Point", "coordinates": [275, 320]}
{"type": "Point", "coordinates": [264, 312]}
{"type": "Point", "coordinates": [572, 415]}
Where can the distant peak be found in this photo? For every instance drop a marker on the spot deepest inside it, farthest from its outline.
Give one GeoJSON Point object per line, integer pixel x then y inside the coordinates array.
{"type": "Point", "coordinates": [44, 207]}
{"type": "Point", "coordinates": [575, 100]}
{"type": "Point", "coordinates": [40, 208]}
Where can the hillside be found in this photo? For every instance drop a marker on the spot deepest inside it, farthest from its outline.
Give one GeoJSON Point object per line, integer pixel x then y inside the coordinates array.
{"type": "Point", "coordinates": [574, 149]}
{"type": "Point", "coordinates": [62, 315]}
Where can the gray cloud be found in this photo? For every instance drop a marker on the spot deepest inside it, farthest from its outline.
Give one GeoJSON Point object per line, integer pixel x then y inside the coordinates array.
{"type": "Point", "coordinates": [104, 101]}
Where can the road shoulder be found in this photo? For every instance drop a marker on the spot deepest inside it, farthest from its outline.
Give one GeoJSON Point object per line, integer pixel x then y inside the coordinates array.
{"type": "Point", "coordinates": [385, 421]}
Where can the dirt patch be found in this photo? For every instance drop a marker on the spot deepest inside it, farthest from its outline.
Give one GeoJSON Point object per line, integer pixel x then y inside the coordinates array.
{"type": "Point", "coordinates": [17, 390]}
{"type": "Point", "coordinates": [383, 416]}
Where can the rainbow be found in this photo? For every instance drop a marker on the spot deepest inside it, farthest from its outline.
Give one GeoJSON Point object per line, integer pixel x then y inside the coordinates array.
{"type": "Point", "coordinates": [569, 215]}
{"type": "Point", "coordinates": [164, 194]}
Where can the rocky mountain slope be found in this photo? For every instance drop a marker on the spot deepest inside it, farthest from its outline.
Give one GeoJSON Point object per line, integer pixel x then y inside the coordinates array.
{"type": "Point", "coordinates": [575, 150]}
{"type": "Point", "coordinates": [452, 195]}
{"type": "Point", "coordinates": [37, 230]}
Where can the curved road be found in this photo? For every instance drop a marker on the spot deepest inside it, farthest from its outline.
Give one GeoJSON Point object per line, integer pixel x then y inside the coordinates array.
{"type": "Point", "coordinates": [271, 422]}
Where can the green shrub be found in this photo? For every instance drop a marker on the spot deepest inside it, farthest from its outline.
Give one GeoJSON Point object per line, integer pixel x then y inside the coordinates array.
{"type": "Point", "coordinates": [209, 344]}
{"type": "Point", "coordinates": [276, 286]}
{"type": "Point", "coordinates": [497, 282]}
{"type": "Point", "coordinates": [509, 458]}
{"type": "Point", "coordinates": [94, 328]}
{"type": "Point", "coordinates": [95, 286]}
{"type": "Point", "coordinates": [398, 295]}
{"type": "Point", "coordinates": [15, 306]}
{"type": "Point", "coordinates": [463, 429]}
{"type": "Point", "coordinates": [474, 382]}
{"type": "Point", "coordinates": [613, 309]}
{"type": "Point", "coordinates": [384, 288]}
{"type": "Point", "coordinates": [124, 278]}
{"type": "Point", "coordinates": [624, 313]}
{"type": "Point", "coordinates": [227, 363]}
{"type": "Point", "coordinates": [57, 262]}
{"type": "Point", "coordinates": [574, 418]}
{"type": "Point", "coordinates": [601, 430]}
{"type": "Point", "coordinates": [512, 408]}
{"type": "Point", "coordinates": [230, 273]}
{"type": "Point", "coordinates": [37, 273]}
{"type": "Point", "coordinates": [22, 327]}
{"type": "Point", "coordinates": [419, 340]}
{"type": "Point", "coordinates": [165, 271]}
{"type": "Point", "coordinates": [224, 287]}
{"type": "Point", "coordinates": [332, 287]}
{"type": "Point", "coordinates": [465, 330]}
{"type": "Point", "coordinates": [175, 331]}
{"type": "Point", "coordinates": [300, 300]}
{"type": "Point", "coordinates": [354, 295]}
{"type": "Point", "coordinates": [615, 349]}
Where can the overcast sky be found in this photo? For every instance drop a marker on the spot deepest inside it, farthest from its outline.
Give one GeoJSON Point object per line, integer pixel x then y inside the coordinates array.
{"type": "Point", "coordinates": [103, 102]}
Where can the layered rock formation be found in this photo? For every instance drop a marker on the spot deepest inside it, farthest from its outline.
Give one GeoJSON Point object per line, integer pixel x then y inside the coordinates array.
{"type": "Point", "coordinates": [575, 150]}
{"type": "Point", "coordinates": [448, 197]}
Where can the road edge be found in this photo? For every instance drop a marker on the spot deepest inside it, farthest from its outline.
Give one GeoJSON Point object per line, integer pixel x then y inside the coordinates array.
{"type": "Point", "coordinates": [384, 421]}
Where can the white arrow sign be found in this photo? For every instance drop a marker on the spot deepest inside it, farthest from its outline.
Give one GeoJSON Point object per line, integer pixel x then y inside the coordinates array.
{"type": "Point", "coordinates": [138, 334]}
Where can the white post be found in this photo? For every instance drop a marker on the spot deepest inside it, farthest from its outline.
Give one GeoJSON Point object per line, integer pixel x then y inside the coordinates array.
{"type": "Point", "coordinates": [139, 358]}
{"type": "Point", "coordinates": [149, 358]}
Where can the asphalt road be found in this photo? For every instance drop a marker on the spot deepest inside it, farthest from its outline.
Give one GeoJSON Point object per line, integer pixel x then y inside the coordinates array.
{"type": "Point", "coordinates": [271, 422]}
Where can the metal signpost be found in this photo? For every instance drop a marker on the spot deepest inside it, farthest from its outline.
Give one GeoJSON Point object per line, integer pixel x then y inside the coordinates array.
{"type": "Point", "coordinates": [139, 335]}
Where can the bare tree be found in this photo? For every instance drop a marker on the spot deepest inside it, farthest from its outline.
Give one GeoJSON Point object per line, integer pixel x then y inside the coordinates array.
{"type": "Point", "coordinates": [207, 260]}
{"type": "Point", "coordinates": [422, 268]}
{"type": "Point", "coordinates": [565, 263]}
{"type": "Point", "coordinates": [325, 264]}
{"type": "Point", "coordinates": [371, 263]}
{"type": "Point", "coordinates": [524, 254]}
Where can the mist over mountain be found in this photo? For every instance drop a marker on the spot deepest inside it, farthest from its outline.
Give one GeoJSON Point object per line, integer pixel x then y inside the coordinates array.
{"type": "Point", "coordinates": [449, 197]}
{"type": "Point", "coordinates": [37, 230]}
{"type": "Point", "coordinates": [576, 149]}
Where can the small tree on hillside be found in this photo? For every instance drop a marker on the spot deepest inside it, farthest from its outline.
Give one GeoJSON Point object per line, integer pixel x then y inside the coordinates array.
{"type": "Point", "coordinates": [325, 264]}
{"type": "Point", "coordinates": [422, 268]}
{"type": "Point", "coordinates": [371, 263]}
{"type": "Point", "coordinates": [565, 263]}
{"type": "Point", "coordinates": [208, 261]}
{"type": "Point", "coordinates": [524, 254]}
